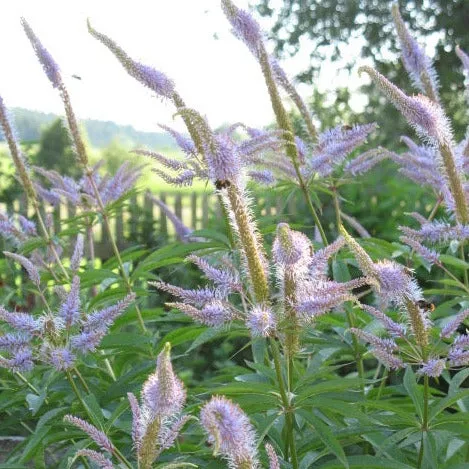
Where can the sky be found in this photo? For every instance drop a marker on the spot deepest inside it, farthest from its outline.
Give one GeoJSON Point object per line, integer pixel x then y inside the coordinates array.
{"type": "Point", "coordinates": [189, 40]}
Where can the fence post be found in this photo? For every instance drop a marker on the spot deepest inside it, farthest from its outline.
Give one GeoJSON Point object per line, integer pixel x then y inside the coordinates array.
{"type": "Point", "coordinates": [147, 232]}
{"type": "Point", "coordinates": [134, 221]}
{"type": "Point", "coordinates": [56, 216]}
{"type": "Point", "coordinates": [205, 209]}
{"type": "Point", "coordinates": [194, 210]}
{"type": "Point", "coordinates": [163, 220]}
{"type": "Point", "coordinates": [119, 217]}
{"type": "Point", "coordinates": [178, 205]}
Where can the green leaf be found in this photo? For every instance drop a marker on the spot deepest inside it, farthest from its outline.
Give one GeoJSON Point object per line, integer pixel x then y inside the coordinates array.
{"type": "Point", "coordinates": [326, 435]}
{"type": "Point", "coordinates": [454, 261]}
{"type": "Point", "coordinates": [125, 339]}
{"type": "Point", "coordinates": [333, 385]}
{"type": "Point", "coordinates": [211, 234]}
{"type": "Point", "coordinates": [209, 334]}
{"type": "Point", "coordinates": [35, 402]}
{"type": "Point", "coordinates": [412, 388]}
{"type": "Point", "coordinates": [368, 462]}
{"type": "Point", "coordinates": [448, 401]}
{"type": "Point", "coordinates": [170, 254]}
{"type": "Point", "coordinates": [181, 335]}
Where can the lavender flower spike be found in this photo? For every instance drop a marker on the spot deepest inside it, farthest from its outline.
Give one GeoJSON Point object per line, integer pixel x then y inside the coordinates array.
{"type": "Point", "coordinates": [33, 273]}
{"type": "Point", "coordinates": [137, 428]}
{"type": "Point", "coordinates": [231, 432]}
{"type": "Point", "coordinates": [21, 321]}
{"type": "Point", "coordinates": [154, 427]}
{"type": "Point", "coordinates": [261, 322]}
{"type": "Point", "coordinates": [163, 392]}
{"type": "Point", "coordinates": [22, 360]}
{"type": "Point", "coordinates": [105, 317]}
{"type": "Point", "coordinates": [214, 313]}
{"type": "Point", "coordinates": [417, 64]}
{"type": "Point", "coordinates": [273, 458]}
{"type": "Point", "coordinates": [60, 358]}
{"type": "Point", "coordinates": [452, 326]}
{"type": "Point", "coordinates": [96, 435]}
{"type": "Point", "coordinates": [95, 456]}
{"type": "Point", "coordinates": [387, 345]}
{"type": "Point", "coordinates": [16, 153]}
{"type": "Point", "coordinates": [70, 309]}
{"type": "Point", "coordinates": [77, 253]}
{"type": "Point", "coordinates": [224, 279]}
{"type": "Point", "coordinates": [430, 121]}
{"type": "Point", "coordinates": [291, 249]}
{"type": "Point", "coordinates": [46, 60]}
{"type": "Point", "coordinates": [148, 76]}
{"type": "Point", "coordinates": [394, 328]}
{"type": "Point", "coordinates": [335, 144]}
{"type": "Point", "coordinates": [182, 231]}
{"type": "Point", "coordinates": [424, 115]}
{"type": "Point", "coordinates": [433, 368]}
{"type": "Point", "coordinates": [429, 255]}
{"type": "Point", "coordinates": [363, 259]}
{"type": "Point", "coordinates": [244, 26]}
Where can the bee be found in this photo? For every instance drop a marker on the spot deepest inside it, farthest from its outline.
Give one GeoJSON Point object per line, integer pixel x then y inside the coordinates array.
{"type": "Point", "coordinates": [425, 305]}
{"type": "Point", "coordinates": [222, 184]}
{"type": "Point", "coordinates": [347, 127]}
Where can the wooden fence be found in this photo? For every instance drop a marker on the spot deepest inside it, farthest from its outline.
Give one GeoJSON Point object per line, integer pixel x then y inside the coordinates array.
{"type": "Point", "coordinates": [142, 221]}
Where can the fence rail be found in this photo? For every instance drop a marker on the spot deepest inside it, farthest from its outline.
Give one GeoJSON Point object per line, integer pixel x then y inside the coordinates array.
{"type": "Point", "coordinates": [142, 221]}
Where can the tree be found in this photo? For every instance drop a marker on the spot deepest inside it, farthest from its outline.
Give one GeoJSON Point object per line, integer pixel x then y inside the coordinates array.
{"type": "Point", "coordinates": [332, 24]}
{"type": "Point", "coordinates": [55, 150]}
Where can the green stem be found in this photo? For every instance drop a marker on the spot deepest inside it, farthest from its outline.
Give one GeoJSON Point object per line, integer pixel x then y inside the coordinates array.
{"type": "Point", "coordinates": [462, 285]}
{"type": "Point", "coordinates": [286, 404]}
{"type": "Point", "coordinates": [336, 207]}
{"type": "Point", "coordinates": [462, 255]}
{"type": "Point", "coordinates": [45, 233]}
{"type": "Point", "coordinates": [455, 183]}
{"type": "Point", "coordinates": [226, 216]}
{"type": "Point", "coordinates": [116, 452]}
{"type": "Point", "coordinates": [30, 386]}
{"type": "Point", "coordinates": [382, 385]}
{"type": "Point", "coordinates": [426, 388]}
{"type": "Point", "coordinates": [283, 121]}
{"type": "Point", "coordinates": [356, 350]}
{"type": "Point", "coordinates": [251, 246]}
{"type": "Point", "coordinates": [82, 380]}
{"type": "Point", "coordinates": [94, 292]}
{"type": "Point", "coordinates": [112, 240]}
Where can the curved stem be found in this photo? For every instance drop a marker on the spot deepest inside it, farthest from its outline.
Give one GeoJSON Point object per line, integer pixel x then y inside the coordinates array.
{"type": "Point", "coordinates": [82, 380]}
{"type": "Point", "coordinates": [94, 292]}
{"type": "Point", "coordinates": [50, 242]}
{"type": "Point", "coordinates": [102, 210]}
{"type": "Point", "coordinates": [115, 451]}
{"type": "Point", "coordinates": [288, 410]}
{"type": "Point", "coordinates": [283, 121]}
{"type": "Point", "coordinates": [356, 350]}
{"type": "Point", "coordinates": [424, 419]}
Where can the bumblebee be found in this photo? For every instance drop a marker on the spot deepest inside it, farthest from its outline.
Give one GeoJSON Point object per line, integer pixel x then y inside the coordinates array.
{"type": "Point", "coordinates": [347, 127]}
{"type": "Point", "coordinates": [222, 184]}
{"type": "Point", "coordinates": [425, 305]}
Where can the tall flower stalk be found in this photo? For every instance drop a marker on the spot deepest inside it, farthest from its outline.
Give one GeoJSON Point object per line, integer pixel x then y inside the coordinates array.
{"type": "Point", "coordinates": [248, 30]}
{"type": "Point", "coordinates": [53, 73]}
{"type": "Point", "coordinates": [24, 175]}
{"type": "Point", "coordinates": [430, 122]}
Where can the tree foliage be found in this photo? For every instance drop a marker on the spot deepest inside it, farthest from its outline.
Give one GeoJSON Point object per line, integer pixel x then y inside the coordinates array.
{"type": "Point", "coordinates": [331, 25]}
{"type": "Point", "coordinates": [55, 150]}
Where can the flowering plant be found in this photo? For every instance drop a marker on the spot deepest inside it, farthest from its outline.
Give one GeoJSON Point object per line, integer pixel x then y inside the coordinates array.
{"type": "Point", "coordinates": [300, 308]}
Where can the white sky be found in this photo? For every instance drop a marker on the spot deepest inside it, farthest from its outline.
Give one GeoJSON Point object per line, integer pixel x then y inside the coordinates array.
{"type": "Point", "coordinates": [218, 77]}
